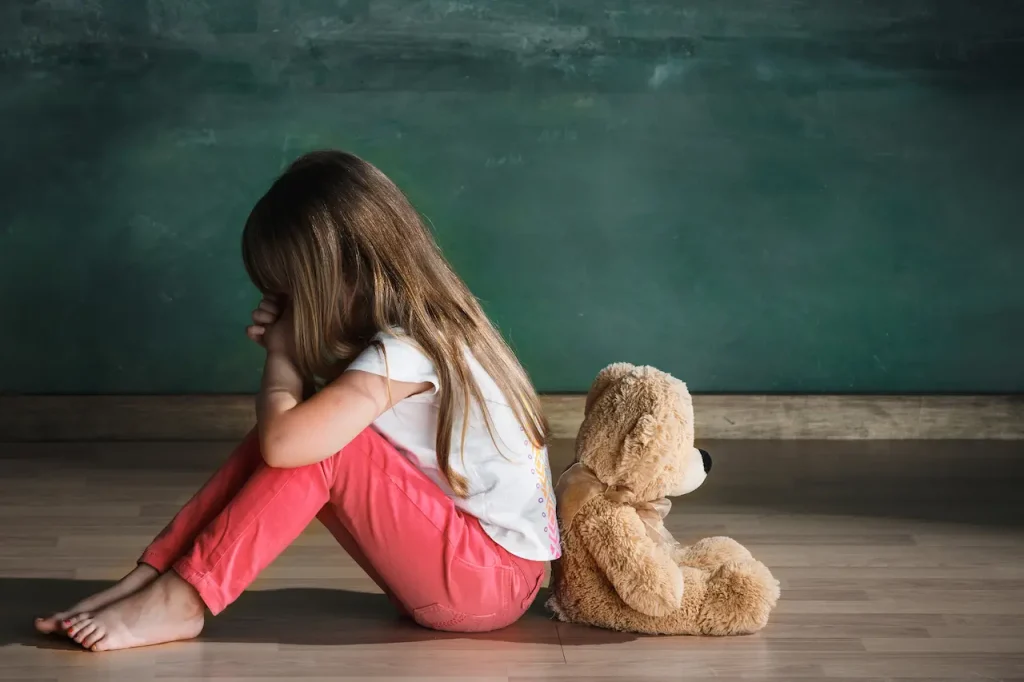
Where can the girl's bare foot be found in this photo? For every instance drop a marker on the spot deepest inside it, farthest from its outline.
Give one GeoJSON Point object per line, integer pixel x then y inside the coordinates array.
{"type": "Point", "coordinates": [169, 609]}
{"type": "Point", "coordinates": [128, 585]}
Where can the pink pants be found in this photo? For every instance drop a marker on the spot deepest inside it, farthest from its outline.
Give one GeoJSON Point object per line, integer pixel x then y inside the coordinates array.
{"type": "Point", "coordinates": [433, 561]}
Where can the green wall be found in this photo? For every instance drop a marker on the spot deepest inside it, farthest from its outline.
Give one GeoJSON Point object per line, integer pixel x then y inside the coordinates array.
{"type": "Point", "coordinates": [758, 195]}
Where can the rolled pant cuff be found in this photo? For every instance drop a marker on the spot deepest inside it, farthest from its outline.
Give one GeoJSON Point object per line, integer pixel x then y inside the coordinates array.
{"type": "Point", "coordinates": [160, 562]}
{"type": "Point", "coordinates": [215, 600]}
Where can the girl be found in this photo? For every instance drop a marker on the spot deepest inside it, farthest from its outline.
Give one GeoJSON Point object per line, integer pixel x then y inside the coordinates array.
{"type": "Point", "coordinates": [422, 451]}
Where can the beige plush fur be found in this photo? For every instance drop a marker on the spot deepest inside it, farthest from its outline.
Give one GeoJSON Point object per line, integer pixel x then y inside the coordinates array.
{"type": "Point", "coordinates": [620, 569]}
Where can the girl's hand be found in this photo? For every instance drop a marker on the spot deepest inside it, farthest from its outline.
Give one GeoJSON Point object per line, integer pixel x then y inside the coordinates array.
{"type": "Point", "coordinates": [272, 328]}
{"type": "Point", "coordinates": [263, 316]}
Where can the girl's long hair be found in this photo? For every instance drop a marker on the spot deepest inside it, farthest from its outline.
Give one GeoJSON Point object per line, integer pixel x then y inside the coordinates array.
{"type": "Point", "coordinates": [341, 243]}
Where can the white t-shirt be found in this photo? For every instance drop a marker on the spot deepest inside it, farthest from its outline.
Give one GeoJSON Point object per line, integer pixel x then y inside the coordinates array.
{"type": "Point", "coordinates": [510, 488]}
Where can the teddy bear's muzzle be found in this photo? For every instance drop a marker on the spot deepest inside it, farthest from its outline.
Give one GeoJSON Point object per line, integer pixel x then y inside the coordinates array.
{"type": "Point", "coordinates": [706, 458]}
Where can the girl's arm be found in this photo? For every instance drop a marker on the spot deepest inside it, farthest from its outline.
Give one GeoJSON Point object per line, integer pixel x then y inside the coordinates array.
{"type": "Point", "coordinates": [294, 433]}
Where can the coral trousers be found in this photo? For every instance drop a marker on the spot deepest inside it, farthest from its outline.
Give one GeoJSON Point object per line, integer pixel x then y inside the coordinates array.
{"type": "Point", "coordinates": [434, 562]}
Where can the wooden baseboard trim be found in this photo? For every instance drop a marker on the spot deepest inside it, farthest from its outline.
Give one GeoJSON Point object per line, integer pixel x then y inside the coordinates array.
{"type": "Point", "coordinates": [727, 417]}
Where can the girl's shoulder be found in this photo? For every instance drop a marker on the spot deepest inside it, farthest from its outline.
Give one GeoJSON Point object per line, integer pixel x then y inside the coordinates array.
{"type": "Point", "coordinates": [398, 357]}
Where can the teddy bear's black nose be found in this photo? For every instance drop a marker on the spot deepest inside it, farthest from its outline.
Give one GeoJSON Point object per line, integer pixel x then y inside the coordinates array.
{"type": "Point", "coordinates": [707, 460]}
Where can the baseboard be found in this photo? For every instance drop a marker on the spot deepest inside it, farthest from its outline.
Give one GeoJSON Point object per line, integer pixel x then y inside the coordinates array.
{"type": "Point", "coordinates": [728, 417]}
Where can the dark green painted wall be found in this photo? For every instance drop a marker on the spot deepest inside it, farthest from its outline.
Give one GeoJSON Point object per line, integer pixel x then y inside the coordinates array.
{"type": "Point", "coordinates": [756, 195]}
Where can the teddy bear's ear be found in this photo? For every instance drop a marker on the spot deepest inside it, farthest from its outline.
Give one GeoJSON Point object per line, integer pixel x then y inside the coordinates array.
{"type": "Point", "coordinates": [635, 445]}
{"type": "Point", "coordinates": [606, 378]}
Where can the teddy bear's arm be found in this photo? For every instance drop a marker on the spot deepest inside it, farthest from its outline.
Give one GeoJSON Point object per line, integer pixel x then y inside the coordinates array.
{"type": "Point", "coordinates": [643, 574]}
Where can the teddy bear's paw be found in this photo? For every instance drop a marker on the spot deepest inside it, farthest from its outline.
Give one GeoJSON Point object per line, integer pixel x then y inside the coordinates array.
{"type": "Point", "coordinates": [740, 597]}
{"type": "Point", "coordinates": [710, 553]}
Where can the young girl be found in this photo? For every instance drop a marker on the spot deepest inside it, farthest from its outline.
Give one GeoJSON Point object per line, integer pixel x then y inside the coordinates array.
{"type": "Point", "coordinates": [423, 451]}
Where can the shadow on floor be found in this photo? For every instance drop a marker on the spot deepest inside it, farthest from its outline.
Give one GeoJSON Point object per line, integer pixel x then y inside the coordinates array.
{"type": "Point", "coordinates": [299, 616]}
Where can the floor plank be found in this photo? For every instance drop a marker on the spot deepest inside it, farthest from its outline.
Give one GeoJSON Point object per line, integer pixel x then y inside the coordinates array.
{"type": "Point", "coordinates": [898, 561]}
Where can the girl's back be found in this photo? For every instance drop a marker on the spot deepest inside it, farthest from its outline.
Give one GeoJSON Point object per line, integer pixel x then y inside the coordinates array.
{"type": "Point", "coordinates": [509, 479]}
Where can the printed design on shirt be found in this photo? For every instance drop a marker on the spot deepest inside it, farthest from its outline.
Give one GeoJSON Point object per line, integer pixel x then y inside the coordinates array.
{"type": "Point", "coordinates": [544, 497]}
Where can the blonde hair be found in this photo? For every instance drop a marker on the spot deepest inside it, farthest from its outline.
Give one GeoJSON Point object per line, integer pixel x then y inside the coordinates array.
{"type": "Point", "coordinates": [341, 243]}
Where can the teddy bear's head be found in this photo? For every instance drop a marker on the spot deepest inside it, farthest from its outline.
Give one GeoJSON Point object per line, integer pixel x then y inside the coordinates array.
{"type": "Point", "coordinates": [637, 433]}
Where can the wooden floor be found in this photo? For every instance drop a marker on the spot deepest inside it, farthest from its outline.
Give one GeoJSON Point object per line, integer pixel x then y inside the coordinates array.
{"type": "Point", "coordinates": [898, 561]}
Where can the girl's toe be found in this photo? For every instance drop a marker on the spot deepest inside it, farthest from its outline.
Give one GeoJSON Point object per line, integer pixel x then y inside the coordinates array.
{"type": "Point", "coordinates": [93, 638]}
{"type": "Point", "coordinates": [83, 632]}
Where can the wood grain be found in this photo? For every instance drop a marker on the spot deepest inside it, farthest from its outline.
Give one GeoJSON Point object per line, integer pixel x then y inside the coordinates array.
{"type": "Point", "coordinates": [898, 561]}
{"type": "Point", "coordinates": [743, 417]}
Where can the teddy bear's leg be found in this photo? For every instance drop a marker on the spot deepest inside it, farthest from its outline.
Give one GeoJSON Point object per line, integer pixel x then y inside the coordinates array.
{"type": "Point", "coordinates": [555, 607]}
{"type": "Point", "coordinates": [710, 553]}
{"type": "Point", "coordinates": [740, 596]}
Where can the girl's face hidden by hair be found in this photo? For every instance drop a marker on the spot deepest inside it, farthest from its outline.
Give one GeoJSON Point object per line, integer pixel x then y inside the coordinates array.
{"type": "Point", "coordinates": [336, 239]}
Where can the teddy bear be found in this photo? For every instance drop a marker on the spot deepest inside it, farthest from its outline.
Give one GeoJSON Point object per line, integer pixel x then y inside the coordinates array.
{"type": "Point", "coordinates": [620, 567]}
